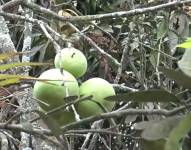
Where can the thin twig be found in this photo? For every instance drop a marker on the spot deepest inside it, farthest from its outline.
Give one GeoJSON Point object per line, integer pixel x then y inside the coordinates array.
{"type": "Point", "coordinates": [56, 46]}
{"type": "Point", "coordinates": [123, 59]}
{"type": "Point", "coordinates": [157, 64]}
{"type": "Point", "coordinates": [100, 131]}
{"type": "Point", "coordinates": [92, 43]}
{"type": "Point", "coordinates": [123, 88]}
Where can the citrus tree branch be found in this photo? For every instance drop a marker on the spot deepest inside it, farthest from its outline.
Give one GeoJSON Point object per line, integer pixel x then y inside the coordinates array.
{"type": "Point", "coordinates": [120, 113]}
{"type": "Point", "coordinates": [118, 14]}
{"type": "Point", "coordinates": [114, 114]}
{"type": "Point", "coordinates": [104, 16]}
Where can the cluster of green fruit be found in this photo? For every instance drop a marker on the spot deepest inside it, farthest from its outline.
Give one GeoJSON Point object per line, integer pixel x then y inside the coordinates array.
{"type": "Point", "coordinates": [60, 82]}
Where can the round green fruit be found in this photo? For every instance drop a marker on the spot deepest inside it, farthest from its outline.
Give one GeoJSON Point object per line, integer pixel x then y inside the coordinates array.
{"type": "Point", "coordinates": [71, 60]}
{"type": "Point", "coordinates": [51, 94]}
{"type": "Point", "coordinates": [99, 89]}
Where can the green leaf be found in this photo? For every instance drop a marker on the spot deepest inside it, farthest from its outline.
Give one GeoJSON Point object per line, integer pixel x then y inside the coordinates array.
{"type": "Point", "coordinates": [177, 76]}
{"type": "Point", "coordinates": [130, 118]}
{"type": "Point", "coordinates": [51, 123]}
{"type": "Point", "coordinates": [9, 76]}
{"type": "Point", "coordinates": [8, 55]}
{"type": "Point", "coordinates": [185, 63]}
{"type": "Point", "coordinates": [21, 64]}
{"type": "Point", "coordinates": [157, 129]}
{"type": "Point", "coordinates": [93, 4]}
{"type": "Point", "coordinates": [188, 39]}
{"type": "Point", "coordinates": [9, 81]}
{"type": "Point", "coordinates": [178, 133]}
{"type": "Point", "coordinates": [145, 96]}
{"type": "Point", "coordinates": [186, 44]}
{"type": "Point", "coordinates": [152, 145]}
{"type": "Point", "coordinates": [162, 29]}
{"type": "Point", "coordinates": [20, 77]}
{"type": "Point", "coordinates": [153, 58]}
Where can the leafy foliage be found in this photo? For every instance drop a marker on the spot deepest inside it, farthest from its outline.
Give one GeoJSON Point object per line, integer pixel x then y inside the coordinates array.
{"type": "Point", "coordinates": [145, 96]}
{"type": "Point", "coordinates": [178, 133]}
{"type": "Point", "coordinates": [178, 76]}
{"type": "Point", "coordinates": [186, 44]}
{"type": "Point", "coordinates": [154, 71]}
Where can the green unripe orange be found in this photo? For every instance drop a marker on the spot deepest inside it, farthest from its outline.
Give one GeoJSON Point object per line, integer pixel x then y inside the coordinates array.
{"type": "Point", "coordinates": [51, 94]}
{"type": "Point", "coordinates": [71, 60]}
{"type": "Point", "coordinates": [99, 89]}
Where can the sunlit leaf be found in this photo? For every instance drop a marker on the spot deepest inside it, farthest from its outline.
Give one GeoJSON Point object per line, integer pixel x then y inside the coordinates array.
{"type": "Point", "coordinates": [23, 77]}
{"type": "Point", "coordinates": [9, 76]}
{"type": "Point", "coordinates": [9, 81]}
{"type": "Point", "coordinates": [186, 44]}
{"type": "Point", "coordinates": [5, 56]}
{"type": "Point", "coordinates": [145, 96]}
{"type": "Point", "coordinates": [21, 64]}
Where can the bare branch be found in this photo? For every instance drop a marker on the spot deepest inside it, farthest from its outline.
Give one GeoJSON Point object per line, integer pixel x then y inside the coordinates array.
{"type": "Point", "coordinates": [123, 113]}
{"type": "Point", "coordinates": [104, 16]}
{"type": "Point", "coordinates": [37, 131]}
